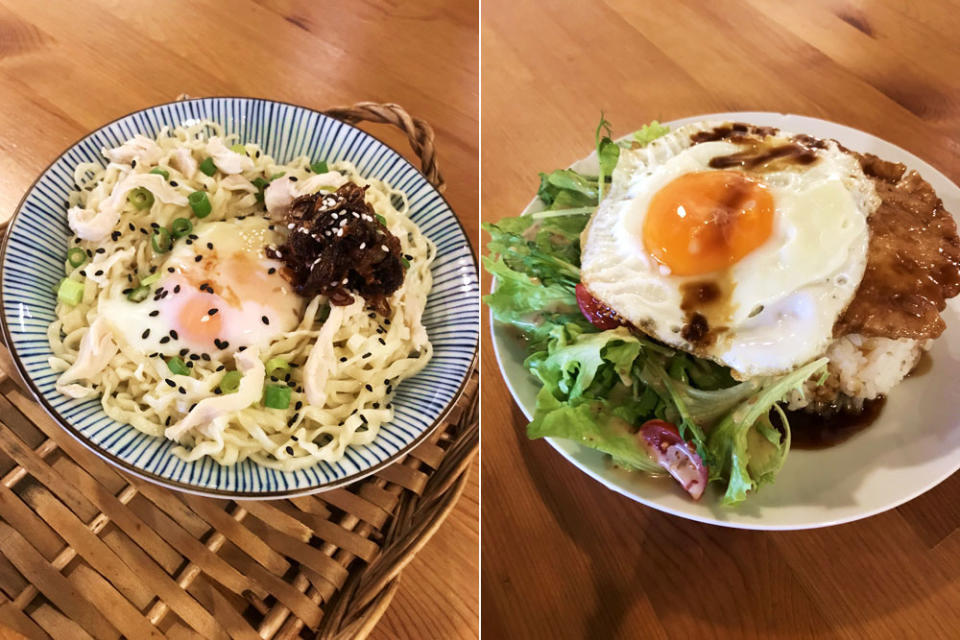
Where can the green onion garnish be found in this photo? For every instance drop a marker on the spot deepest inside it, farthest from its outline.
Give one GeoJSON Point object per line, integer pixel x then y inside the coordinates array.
{"type": "Point", "coordinates": [230, 382]}
{"type": "Point", "coordinates": [160, 239]}
{"type": "Point", "coordinates": [146, 281]}
{"type": "Point", "coordinates": [199, 203]}
{"type": "Point", "coordinates": [162, 172]}
{"type": "Point", "coordinates": [319, 167]}
{"type": "Point", "coordinates": [406, 263]}
{"type": "Point", "coordinates": [208, 167]}
{"type": "Point", "coordinates": [277, 367]}
{"type": "Point", "coordinates": [381, 219]}
{"type": "Point", "coordinates": [181, 227]}
{"type": "Point", "coordinates": [70, 292]}
{"type": "Point", "coordinates": [76, 256]}
{"type": "Point", "coordinates": [238, 148]}
{"type": "Point", "coordinates": [278, 175]}
{"type": "Point", "coordinates": [276, 396]}
{"type": "Point", "coordinates": [260, 184]}
{"type": "Point", "coordinates": [176, 365]}
{"type": "Point", "coordinates": [139, 294]}
{"type": "Point", "coordinates": [141, 198]}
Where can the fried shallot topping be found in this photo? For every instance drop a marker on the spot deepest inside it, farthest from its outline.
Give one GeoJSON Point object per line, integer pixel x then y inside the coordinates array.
{"type": "Point", "coordinates": [339, 247]}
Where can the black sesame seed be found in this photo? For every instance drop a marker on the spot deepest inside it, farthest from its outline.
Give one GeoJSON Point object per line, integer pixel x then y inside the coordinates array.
{"type": "Point", "coordinates": [198, 259]}
{"type": "Point", "coordinates": [298, 406]}
{"type": "Point", "coordinates": [176, 289]}
{"type": "Point", "coordinates": [189, 364]}
{"type": "Point", "coordinates": [144, 231]}
{"type": "Point", "coordinates": [126, 291]}
{"type": "Point", "coordinates": [363, 419]}
{"type": "Point", "coordinates": [166, 422]}
{"type": "Point", "coordinates": [98, 272]}
{"type": "Point", "coordinates": [212, 312]}
{"type": "Point", "coordinates": [153, 268]}
{"type": "Point", "coordinates": [173, 183]}
{"type": "Point", "coordinates": [173, 334]}
{"type": "Point", "coordinates": [293, 178]}
{"type": "Point", "coordinates": [265, 319]}
{"type": "Point", "coordinates": [271, 270]}
{"type": "Point", "coordinates": [292, 420]}
{"type": "Point", "coordinates": [381, 341]}
{"type": "Point", "coordinates": [217, 391]}
{"type": "Point", "coordinates": [257, 154]}
{"type": "Point", "coordinates": [154, 225]}
{"type": "Point", "coordinates": [164, 339]}
{"type": "Point", "coordinates": [170, 269]}
{"type": "Point", "coordinates": [189, 241]}
{"type": "Point", "coordinates": [368, 387]}
{"type": "Point", "coordinates": [133, 164]}
{"type": "Point", "coordinates": [205, 357]}
{"type": "Point", "coordinates": [366, 355]}
{"type": "Point", "coordinates": [192, 407]}
{"type": "Point", "coordinates": [294, 438]}
{"type": "Point", "coordinates": [154, 313]}
{"type": "Point", "coordinates": [153, 355]}
{"type": "Point", "coordinates": [89, 253]}
{"type": "Point", "coordinates": [182, 390]}
{"type": "Point", "coordinates": [194, 356]}
{"type": "Point", "coordinates": [132, 227]}
{"type": "Point", "coordinates": [343, 359]}
{"type": "Point", "coordinates": [291, 383]}
{"type": "Point", "coordinates": [101, 250]}
{"type": "Point", "coordinates": [210, 245]}
{"type": "Point", "coordinates": [376, 405]}
{"type": "Point", "coordinates": [115, 236]}
{"type": "Point", "coordinates": [83, 273]}
{"type": "Point", "coordinates": [130, 278]}
{"type": "Point", "coordinates": [170, 382]}
{"type": "Point", "coordinates": [145, 334]}
{"type": "Point", "coordinates": [221, 367]}
{"type": "Point", "coordinates": [184, 351]}
{"type": "Point", "coordinates": [289, 450]}
{"type": "Point", "coordinates": [240, 349]}
{"type": "Point", "coordinates": [388, 406]}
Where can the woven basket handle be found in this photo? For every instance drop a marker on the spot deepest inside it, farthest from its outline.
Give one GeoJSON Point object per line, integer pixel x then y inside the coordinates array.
{"type": "Point", "coordinates": [419, 133]}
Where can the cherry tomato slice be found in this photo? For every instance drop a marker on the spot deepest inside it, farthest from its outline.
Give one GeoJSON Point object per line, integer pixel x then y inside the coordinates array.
{"type": "Point", "coordinates": [678, 457]}
{"type": "Point", "coordinates": [600, 315]}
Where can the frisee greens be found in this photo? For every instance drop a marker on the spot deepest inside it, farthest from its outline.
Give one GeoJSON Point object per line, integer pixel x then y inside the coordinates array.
{"type": "Point", "coordinates": [598, 387]}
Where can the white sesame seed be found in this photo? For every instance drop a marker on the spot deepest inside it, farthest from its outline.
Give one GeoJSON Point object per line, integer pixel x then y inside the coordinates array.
{"type": "Point", "coordinates": [363, 245]}
{"type": "Point", "coordinates": [344, 281]}
{"type": "Point", "coordinates": [334, 215]}
{"type": "Point", "coordinates": [355, 214]}
{"type": "Point", "coordinates": [339, 233]}
{"type": "Point", "coordinates": [384, 247]}
{"type": "Point", "coordinates": [291, 226]}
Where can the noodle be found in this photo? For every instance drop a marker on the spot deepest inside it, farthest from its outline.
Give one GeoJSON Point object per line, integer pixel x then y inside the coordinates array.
{"type": "Point", "coordinates": [360, 360]}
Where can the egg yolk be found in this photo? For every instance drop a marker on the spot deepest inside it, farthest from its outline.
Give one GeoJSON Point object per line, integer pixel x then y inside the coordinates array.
{"type": "Point", "coordinates": [195, 321]}
{"type": "Point", "coordinates": [706, 221]}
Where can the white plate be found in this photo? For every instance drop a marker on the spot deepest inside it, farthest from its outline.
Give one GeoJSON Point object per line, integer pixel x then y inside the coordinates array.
{"type": "Point", "coordinates": [913, 445]}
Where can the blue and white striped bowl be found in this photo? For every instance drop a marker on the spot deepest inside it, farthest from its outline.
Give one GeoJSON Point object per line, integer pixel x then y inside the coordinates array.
{"type": "Point", "coordinates": [35, 246]}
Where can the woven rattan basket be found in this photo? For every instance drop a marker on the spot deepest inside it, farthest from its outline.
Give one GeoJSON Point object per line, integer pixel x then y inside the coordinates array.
{"type": "Point", "coordinates": [87, 551]}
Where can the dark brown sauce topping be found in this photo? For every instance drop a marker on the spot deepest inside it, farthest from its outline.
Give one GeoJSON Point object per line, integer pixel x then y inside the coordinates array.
{"type": "Point", "coordinates": [696, 331]}
{"type": "Point", "coordinates": [815, 431]}
{"type": "Point", "coordinates": [706, 307]}
{"type": "Point", "coordinates": [338, 248]}
{"type": "Point", "coordinates": [761, 155]}
{"type": "Point", "coordinates": [699, 294]}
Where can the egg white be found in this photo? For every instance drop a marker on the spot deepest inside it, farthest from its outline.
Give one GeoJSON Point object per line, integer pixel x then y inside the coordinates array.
{"type": "Point", "coordinates": [245, 292]}
{"type": "Point", "coordinates": [786, 294]}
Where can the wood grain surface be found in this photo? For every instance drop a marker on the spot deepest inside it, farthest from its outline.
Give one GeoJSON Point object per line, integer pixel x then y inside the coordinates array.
{"type": "Point", "coordinates": [67, 67]}
{"type": "Point", "coordinates": [562, 556]}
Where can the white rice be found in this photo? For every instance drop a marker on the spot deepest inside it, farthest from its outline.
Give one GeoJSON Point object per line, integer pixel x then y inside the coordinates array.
{"type": "Point", "coordinates": [860, 369]}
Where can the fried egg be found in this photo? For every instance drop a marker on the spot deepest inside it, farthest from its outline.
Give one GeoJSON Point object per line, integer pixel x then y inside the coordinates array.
{"type": "Point", "coordinates": [744, 250]}
{"type": "Point", "coordinates": [217, 292]}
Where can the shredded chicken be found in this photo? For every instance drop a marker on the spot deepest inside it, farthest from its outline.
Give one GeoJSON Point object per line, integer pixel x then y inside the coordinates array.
{"type": "Point", "coordinates": [210, 415]}
{"type": "Point", "coordinates": [183, 161]}
{"type": "Point", "coordinates": [97, 348]}
{"type": "Point", "coordinates": [321, 359]}
{"type": "Point", "coordinates": [97, 225]}
{"type": "Point", "coordinates": [229, 162]}
{"type": "Point", "coordinates": [138, 148]}
{"type": "Point", "coordinates": [238, 183]}
{"type": "Point", "coordinates": [280, 194]}
{"type": "Point", "coordinates": [102, 264]}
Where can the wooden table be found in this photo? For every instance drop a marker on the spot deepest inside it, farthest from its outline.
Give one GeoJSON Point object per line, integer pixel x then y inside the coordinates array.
{"type": "Point", "coordinates": [562, 556]}
{"type": "Point", "coordinates": [67, 67]}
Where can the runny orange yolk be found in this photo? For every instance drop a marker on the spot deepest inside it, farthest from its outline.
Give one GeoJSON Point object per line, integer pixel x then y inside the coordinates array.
{"type": "Point", "coordinates": [706, 221]}
{"type": "Point", "coordinates": [195, 322]}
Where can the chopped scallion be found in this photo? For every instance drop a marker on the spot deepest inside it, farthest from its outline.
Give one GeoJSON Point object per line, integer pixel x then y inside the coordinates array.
{"type": "Point", "coordinates": [238, 148]}
{"type": "Point", "coordinates": [141, 198]}
{"type": "Point", "coordinates": [319, 167]}
{"type": "Point", "coordinates": [160, 239]}
{"type": "Point", "coordinates": [278, 175]}
{"type": "Point", "coordinates": [381, 219]}
{"type": "Point", "coordinates": [208, 167]}
{"type": "Point", "coordinates": [149, 280]}
{"type": "Point", "coordinates": [276, 396]}
{"type": "Point", "coordinates": [177, 366]}
{"type": "Point", "coordinates": [181, 227]}
{"type": "Point", "coordinates": [230, 382]}
{"type": "Point", "coordinates": [277, 367]}
{"type": "Point", "coordinates": [406, 263]}
{"type": "Point", "coordinates": [139, 294]}
{"type": "Point", "coordinates": [76, 256]}
{"type": "Point", "coordinates": [162, 172]}
{"type": "Point", "coordinates": [70, 292]}
{"type": "Point", "coordinates": [200, 203]}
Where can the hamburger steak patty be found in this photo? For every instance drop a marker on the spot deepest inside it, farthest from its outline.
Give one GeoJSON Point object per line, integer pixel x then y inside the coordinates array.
{"type": "Point", "coordinates": [913, 260]}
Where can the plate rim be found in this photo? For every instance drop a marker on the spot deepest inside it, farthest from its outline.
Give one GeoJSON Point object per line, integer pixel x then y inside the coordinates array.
{"type": "Point", "coordinates": [559, 446]}
{"type": "Point", "coordinates": [177, 485]}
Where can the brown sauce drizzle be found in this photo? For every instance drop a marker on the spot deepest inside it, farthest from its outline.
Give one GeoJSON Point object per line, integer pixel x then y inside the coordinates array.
{"type": "Point", "coordinates": [706, 308]}
{"type": "Point", "coordinates": [762, 155]}
{"type": "Point", "coordinates": [816, 431]}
